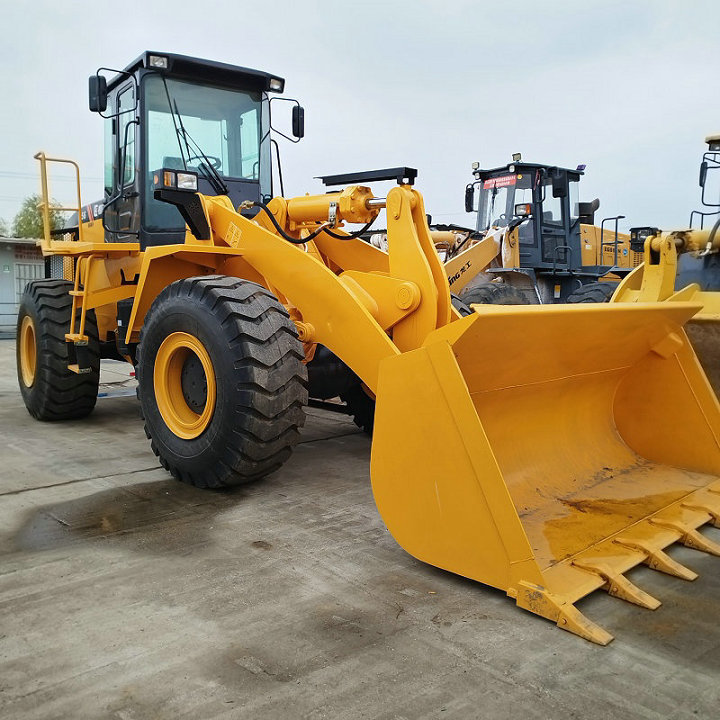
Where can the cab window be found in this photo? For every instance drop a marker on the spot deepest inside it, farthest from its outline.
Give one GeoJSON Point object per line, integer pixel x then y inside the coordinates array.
{"type": "Point", "coordinates": [126, 104]}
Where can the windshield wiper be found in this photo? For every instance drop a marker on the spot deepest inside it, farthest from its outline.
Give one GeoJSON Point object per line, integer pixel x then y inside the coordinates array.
{"type": "Point", "coordinates": [206, 167]}
{"type": "Point", "coordinates": [175, 124]}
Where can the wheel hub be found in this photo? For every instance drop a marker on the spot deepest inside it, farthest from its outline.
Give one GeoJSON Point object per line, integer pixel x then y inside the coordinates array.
{"type": "Point", "coordinates": [28, 351]}
{"type": "Point", "coordinates": [184, 384]}
{"type": "Point", "coordinates": [194, 383]}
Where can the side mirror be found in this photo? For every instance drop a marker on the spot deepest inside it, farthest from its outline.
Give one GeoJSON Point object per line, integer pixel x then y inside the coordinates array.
{"type": "Point", "coordinates": [469, 198]}
{"type": "Point", "coordinates": [703, 173]}
{"type": "Point", "coordinates": [298, 121]}
{"type": "Point", "coordinates": [97, 93]}
{"type": "Point", "coordinates": [559, 185]}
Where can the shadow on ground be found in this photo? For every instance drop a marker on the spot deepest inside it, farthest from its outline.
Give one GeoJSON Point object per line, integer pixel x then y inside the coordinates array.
{"type": "Point", "coordinates": [183, 513]}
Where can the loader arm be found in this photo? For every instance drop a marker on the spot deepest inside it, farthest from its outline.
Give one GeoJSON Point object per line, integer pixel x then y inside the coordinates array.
{"type": "Point", "coordinates": [462, 268]}
{"type": "Point", "coordinates": [392, 304]}
{"type": "Point", "coordinates": [654, 279]}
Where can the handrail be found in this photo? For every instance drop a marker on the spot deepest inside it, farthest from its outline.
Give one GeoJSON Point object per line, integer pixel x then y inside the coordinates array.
{"type": "Point", "coordinates": [702, 216]}
{"type": "Point", "coordinates": [614, 243]}
{"type": "Point", "coordinates": [44, 204]}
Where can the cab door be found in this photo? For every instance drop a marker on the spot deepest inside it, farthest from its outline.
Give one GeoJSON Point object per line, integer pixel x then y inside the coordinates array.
{"type": "Point", "coordinates": [128, 202]}
{"type": "Point", "coordinates": [553, 222]}
{"type": "Point", "coordinates": [121, 213]}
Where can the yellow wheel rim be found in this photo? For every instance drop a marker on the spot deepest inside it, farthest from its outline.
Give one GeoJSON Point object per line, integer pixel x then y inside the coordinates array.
{"type": "Point", "coordinates": [28, 351]}
{"type": "Point", "coordinates": [178, 352]}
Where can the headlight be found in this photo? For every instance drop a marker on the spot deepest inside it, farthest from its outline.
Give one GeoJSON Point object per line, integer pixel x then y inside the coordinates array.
{"type": "Point", "coordinates": [175, 180]}
{"type": "Point", "coordinates": [187, 181]}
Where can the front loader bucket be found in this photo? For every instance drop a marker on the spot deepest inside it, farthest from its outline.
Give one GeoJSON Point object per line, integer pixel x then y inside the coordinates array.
{"type": "Point", "coordinates": [547, 450]}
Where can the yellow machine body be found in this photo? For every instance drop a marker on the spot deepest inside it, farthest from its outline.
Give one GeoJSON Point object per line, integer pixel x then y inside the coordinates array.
{"type": "Point", "coordinates": [598, 248]}
{"type": "Point", "coordinates": [654, 281]}
{"type": "Point", "coordinates": [540, 450]}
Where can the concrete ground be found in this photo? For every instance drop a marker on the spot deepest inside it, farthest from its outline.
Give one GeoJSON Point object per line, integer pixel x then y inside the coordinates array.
{"type": "Point", "coordinates": [125, 594]}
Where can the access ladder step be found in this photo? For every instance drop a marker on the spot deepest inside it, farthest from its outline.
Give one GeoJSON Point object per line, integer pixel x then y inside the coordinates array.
{"type": "Point", "coordinates": [80, 354]}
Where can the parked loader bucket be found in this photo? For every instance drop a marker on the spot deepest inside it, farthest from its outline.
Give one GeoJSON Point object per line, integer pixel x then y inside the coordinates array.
{"type": "Point", "coordinates": [547, 450]}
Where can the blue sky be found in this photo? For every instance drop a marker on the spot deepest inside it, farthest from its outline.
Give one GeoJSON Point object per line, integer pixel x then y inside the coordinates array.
{"type": "Point", "coordinates": [626, 88]}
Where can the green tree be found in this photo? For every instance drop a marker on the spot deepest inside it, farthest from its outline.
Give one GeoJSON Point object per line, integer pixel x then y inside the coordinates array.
{"type": "Point", "coordinates": [28, 222]}
{"type": "Point", "coordinates": [4, 228]}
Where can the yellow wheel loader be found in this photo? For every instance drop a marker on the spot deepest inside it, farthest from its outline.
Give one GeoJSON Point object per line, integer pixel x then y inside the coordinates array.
{"type": "Point", "coordinates": [538, 242]}
{"type": "Point", "coordinates": [476, 463]}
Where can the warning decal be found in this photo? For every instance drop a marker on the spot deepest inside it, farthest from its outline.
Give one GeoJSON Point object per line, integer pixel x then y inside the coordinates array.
{"type": "Point", "coordinates": [501, 181]}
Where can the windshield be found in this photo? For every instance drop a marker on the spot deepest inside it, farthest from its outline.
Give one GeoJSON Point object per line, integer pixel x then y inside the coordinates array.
{"type": "Point", "coordinates": [195, 121]}
{"type": "Point", "coordinates": [496, 201]}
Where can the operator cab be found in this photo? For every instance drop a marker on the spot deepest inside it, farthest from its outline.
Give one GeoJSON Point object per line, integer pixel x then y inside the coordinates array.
{"type": "Point", "coordinates": [541, 199]}
{"type": "Point", "coordinates": [704, 270]}
{"type": "Point", "coordinates": [172, 112]}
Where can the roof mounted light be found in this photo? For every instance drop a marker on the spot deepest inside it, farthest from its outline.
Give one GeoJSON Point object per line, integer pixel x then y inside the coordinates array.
{"type": "Point", "coordinates": [276, 84]}
{"type": "Point", "coordinates": [713, 142]}
{"type": "Point", "coordinates": [159, 62]}
{"type": "Point", "coordinates": [517, 157]}
{"type": "Point", "coordinates": [581, 168]}
{"type": "Point", "coordinates": [476, 166]}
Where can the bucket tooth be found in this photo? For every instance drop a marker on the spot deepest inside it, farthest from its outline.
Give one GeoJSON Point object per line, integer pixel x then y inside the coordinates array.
{"type": "Point", "coordinates": [618, 585]}
{"type": "Point", "coordinates": [700, 507]}
{"type": "Point", "coordinates": [689, 537]}
{"type": "Point", "coordinates": [658, 559]}
{"type": "Point", "coordinates": [538, 600]}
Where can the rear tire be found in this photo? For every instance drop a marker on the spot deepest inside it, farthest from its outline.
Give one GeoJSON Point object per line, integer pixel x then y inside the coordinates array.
{"type": "Point", "coordinates": [593, 292]}
{"type": "Point", "coordinates": [221, 381]}
{"type": "Point", "coordinates": [49, 389]}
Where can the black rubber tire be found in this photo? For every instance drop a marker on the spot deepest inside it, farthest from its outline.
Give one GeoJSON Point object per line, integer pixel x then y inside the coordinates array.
{"type": "Point", "coordinates": [593, 292]}
{"type": "Point", "coordinates": [57, 393]}
{"type": "Point", "coordinates": [460, 306]}
{"type": "Point", "coordinates": [494, 294]}
{"type": "Point", "coordinates": [261, 380]}
{"type": "Point", "coordinates": [361, 406]}
{"type": "Point", "coordinates": [478, 294]}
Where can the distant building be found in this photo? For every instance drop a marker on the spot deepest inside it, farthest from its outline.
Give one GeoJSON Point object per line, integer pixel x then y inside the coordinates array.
{"type": "Point", "coordinates": [20, 262]}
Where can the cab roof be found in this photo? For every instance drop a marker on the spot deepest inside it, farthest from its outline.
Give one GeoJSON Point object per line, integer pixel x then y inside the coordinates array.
{"type": "Point", "coordinates": [192, 68]}
{"type": "Point", "coordinates": [527, 167]}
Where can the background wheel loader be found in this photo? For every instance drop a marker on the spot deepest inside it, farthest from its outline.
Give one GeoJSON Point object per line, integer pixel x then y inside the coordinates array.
{"type": "Point", "coordinates": [533, 241]}
{"type": "Point", "coordinates": [549, 248]}
{"type": "Point", "coordinates": [476, 466]}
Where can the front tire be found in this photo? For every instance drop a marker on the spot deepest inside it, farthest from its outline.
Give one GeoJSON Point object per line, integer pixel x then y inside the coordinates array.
{"type": "Point", "coordinates": [361, 403]}
{"type": "Point", "coordinates": [593, 292]}
{"type": "Point", "coordinates": [49, 389]}
{"type": "Point", "coordinates": [221, 381]}
{"type": "Point", "coordinates": [494, 294]}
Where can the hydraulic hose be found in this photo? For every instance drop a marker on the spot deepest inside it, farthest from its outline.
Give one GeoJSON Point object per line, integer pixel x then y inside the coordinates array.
{"type": "Point", "coordinates": [313, 235]}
